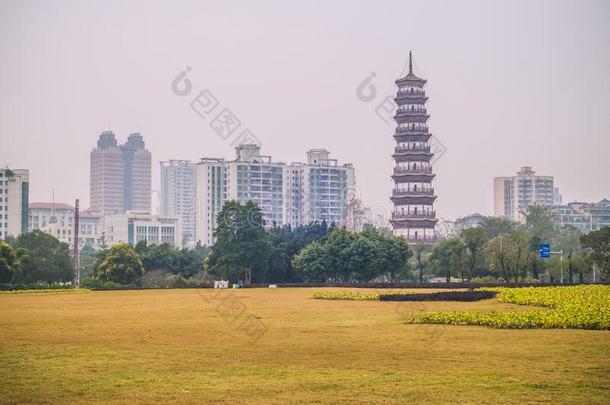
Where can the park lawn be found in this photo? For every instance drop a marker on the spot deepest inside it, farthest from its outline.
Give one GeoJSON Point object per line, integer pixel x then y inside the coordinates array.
{"type": "Point", "coordinates": [190, 346]}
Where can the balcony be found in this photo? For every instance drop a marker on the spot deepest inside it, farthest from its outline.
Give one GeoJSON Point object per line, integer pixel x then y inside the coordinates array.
{"type": "Point", "coordinates": [400, 193]}
{"type": "Point", "coordinates": [411, 110]}
{"type": "Point", "coordinates": [403, 130]}
{"type": "Point", "coordinates": [423, 149]}
{"type": "Point", "coordinates": [410, 170]}
{"type": "Point", "coordinates": [411, 92]}
{"type": "Point", "coordinates": [414, 215]}
{"type": "Point", "coordinates": [421, 238]}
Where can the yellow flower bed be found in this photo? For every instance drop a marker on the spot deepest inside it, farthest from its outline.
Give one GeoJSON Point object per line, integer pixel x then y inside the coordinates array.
{"type": "Point", "coordinates": [345, 295]}
{"type": "Point", "coordinates": [54, 291]}
{"type": "Point", "coordinates": [573, 307]}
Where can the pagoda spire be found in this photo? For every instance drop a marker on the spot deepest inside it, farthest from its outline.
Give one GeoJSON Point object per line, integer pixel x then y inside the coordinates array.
{"type": "Point", "coordinates": [410, 63]}
{"type": "Point", "coordinates": [413, 196]}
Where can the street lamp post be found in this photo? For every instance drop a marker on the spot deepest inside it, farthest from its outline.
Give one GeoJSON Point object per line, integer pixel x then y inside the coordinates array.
{"type": "Point", "coordinates": [560, 263]}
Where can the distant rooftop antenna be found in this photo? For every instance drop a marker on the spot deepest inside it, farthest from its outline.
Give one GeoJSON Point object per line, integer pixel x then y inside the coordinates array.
{"type": "Point", "coordinates": [53, 218]}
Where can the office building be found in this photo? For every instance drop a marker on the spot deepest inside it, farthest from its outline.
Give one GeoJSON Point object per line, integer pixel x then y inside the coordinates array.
{"type": "Point", "coordinates": [413, 197]}
{"type": "Point", "coordinates": [41, 214]}
{"type": "Point", "coordinates": [14, 201]}
{"type": "Point", "coordinates": [120, 175]}
{"type": "Point", "coordinates": [135, 226]}
{"type": "Point", "coordinates": [178, 195]}
{"type": "Point", "coordinates": [514, 194]}
{"type": "Point", "coordinates": [90, 224]}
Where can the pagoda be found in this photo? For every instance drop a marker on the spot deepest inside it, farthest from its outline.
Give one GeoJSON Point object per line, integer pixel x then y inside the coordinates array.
{"type": "Point", "coordinates": [413, 216]}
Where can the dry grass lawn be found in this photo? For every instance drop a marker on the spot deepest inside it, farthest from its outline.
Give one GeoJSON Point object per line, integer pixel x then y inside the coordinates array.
{"type": "Point", "coordinates": [279, 345]}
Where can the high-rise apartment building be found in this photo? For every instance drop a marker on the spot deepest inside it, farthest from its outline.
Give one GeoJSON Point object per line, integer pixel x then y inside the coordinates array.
{"type": "Point", "coordinates": [295, 193]}
{"type": "Point", "coordinates": [413, 195]}
{"type": "Point", "coordinates": [14, 201]}
{"type": "Point", "coordinates": [120, 175]}
{"type": "Point", "coordinates": [178, 195]}
{"type": "Point", "coordinates": [512, 195]}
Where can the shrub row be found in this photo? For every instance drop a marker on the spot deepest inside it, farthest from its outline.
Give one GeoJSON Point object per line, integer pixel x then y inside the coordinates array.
{"type": "Point", "coordinates": [169, 281]}
{"type": "Point", "coordinates": [407, 285]}
{"type": "Point", "coordinates": [473, 295]}
{"type": "Point", "coordinates": [95, 284]}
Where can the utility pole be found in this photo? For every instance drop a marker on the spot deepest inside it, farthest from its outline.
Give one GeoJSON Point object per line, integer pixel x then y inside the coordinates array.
{"type": "Point", "coordinates": [76, 244]}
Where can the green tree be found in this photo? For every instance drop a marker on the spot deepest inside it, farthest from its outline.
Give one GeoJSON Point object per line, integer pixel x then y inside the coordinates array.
{"type": "Point", "coordinates": [344, 256]}
{"type": "Point", "coordinates": [496, 250]}
{"type": "Point", "coordinates": [8, 259]}
{"type": "Point", "coordinates": [598, 244]}
{"type": "Point", "coordinates": [286, 242]}
{"type": "Point", "coordinates": [242, 247]}
{"type": "Point", "coordinates": [510, 255]}
{"type": "Point", "coordinates": [520, 253]}
{"type": "Point", "coordinates": [42, 258]}
{"type": "Point", "coordinates": [158, 257]}
{"type": "Point", "coordinates": [396, 254]}
{"type": "Point", "coordinates": [448, 258]}
{"type": "Point", "coordinates": [337, 245]}
{"type": "Point", "coordinates": [311, 263]}
{"type": "Point", "coordinates": [420, 259]}
{"type": "Point", "coordinates": [362, 264]}
{"type": "Point", "coordinates": [188, 263]}
{"type": "Point", "coordinates": [121, 265]}
{"type": "Point", "coordinates": [390, 254]}
{"type": "Point", "coordinates": [568, 241]}
{"type": "Point", "coordinates": [88, 261]}
{"type": "Point", "coordinates": [474, 240]}
{"type": "Point", "coordinates": [494, 226]}
{"type": "Point", "coordinates": [539, 222]}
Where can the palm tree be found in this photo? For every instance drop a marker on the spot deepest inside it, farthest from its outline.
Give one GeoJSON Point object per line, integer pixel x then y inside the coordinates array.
{"type": "Point", "coordinates": [494, 226]}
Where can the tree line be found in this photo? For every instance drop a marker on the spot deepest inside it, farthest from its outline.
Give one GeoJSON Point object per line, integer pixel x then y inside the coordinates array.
{"type": "Point", "coordinates": [247, 250]}
{"type": "Point", "coordinates": [503, 250]}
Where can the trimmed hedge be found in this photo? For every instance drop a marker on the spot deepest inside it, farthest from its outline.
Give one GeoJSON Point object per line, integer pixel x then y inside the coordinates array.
{"type": "Point", "coordinates": [405, 285]}
{"type": "Point", "coordinates": [440, 296]}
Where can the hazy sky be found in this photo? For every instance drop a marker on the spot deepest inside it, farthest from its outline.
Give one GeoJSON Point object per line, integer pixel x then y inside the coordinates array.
{"type": "Point", "coordinates": [510, 84]}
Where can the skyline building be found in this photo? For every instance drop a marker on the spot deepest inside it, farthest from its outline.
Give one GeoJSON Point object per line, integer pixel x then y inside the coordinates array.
{"type": "Point", "coordinates": [178, 195]}
{"type": "Point", "coordinates": [14, 202]}
{"type": "Point", "coordinates": [585, 216]}
{"type": "Point", "coordinates": [120, 175]}
{"type": "Point", "coordinates": [296, 193]}
{"type": "Point", "coordinates": [413, 195]}
{"type": "Point", "coordinates": [134, 226]}
{"type": "Point", "coordinates": [513, 194]}
{"type": "Point", "coordinates": [42, 213]}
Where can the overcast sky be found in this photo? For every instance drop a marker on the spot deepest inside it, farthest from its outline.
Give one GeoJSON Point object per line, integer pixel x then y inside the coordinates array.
{"type": "Point", "coordinates": [509, 84]}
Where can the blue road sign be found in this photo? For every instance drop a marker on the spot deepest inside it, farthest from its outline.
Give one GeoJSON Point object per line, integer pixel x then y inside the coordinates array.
{"type": "Point", "coordinates": [545, 250]}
